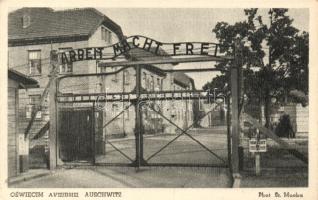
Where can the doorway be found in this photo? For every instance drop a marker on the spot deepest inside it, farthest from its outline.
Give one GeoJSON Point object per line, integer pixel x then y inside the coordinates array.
{"type": "Point", "coordinates": [76, 134]}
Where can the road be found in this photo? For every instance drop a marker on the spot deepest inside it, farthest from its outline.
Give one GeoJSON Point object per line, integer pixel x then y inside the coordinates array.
{"type": "Point", "coordinates": [128, 177]}
{"type": "Point", "coordinates": [183, 150]}
{"type": "Point", "coordinates": [205, 146]}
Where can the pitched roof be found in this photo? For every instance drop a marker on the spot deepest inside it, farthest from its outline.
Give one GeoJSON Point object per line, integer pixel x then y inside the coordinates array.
{"type": "Point", "coordinates": [182, 79]}
{"type": "Point", "coordinates": [47, 23]}
{"type": "Point", "coordinates": [21, 78]}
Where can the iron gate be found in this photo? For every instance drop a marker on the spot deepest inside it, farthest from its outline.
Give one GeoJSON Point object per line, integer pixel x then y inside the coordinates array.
{"type": "Point", "coordinates": [136, 127]}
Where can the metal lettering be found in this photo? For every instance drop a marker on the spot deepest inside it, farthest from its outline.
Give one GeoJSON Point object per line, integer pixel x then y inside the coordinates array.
{"type": "Point", "coordinates": [134, 41]}
{"type": "Point", "coordinates": [175, 48]}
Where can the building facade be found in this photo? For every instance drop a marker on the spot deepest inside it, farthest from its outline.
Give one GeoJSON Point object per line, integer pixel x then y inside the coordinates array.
{"type": "Point", "coordinates": [35, 32]}
{"type": "Point", "coordinates": [32, 34]}
{"type": "Point", "coordinates": [17, 145]}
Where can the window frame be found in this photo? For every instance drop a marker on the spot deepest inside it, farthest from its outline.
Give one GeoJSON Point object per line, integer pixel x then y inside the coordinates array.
{"type": "Point", "coordinates": [127, 112]}
{"type": "Point", "coordinates": [32, 105]}
{"type": "Point", "coordinates": [30, 63]}
{"type": "Point", "coordinates": [115, 110]}
{"type": "Point", "coordinates": [158, 83]}
{"type": "Point", "coordinates": [65, 65]}
{"type": "Point", "coordinates": [26, 21]}
{"type": "Point", "coordinates": [114, 76]}
{"type": "Point", "coordinates": [144, 79]}
{"type": "Point", "coordinates": [106, 35]}
{"type": "Point", "coordinates": [152, 82]}
{"type": "Point", "coordinates": [126, 78]}
{"type": "Point", "coordinates": [103, 33]}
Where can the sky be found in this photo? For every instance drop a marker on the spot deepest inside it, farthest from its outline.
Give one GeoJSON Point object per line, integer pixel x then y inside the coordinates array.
{"type": "Point", "coordinates": [187, 25]}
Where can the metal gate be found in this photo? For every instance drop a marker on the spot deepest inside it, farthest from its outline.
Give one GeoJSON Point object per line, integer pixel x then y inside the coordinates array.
{"type": "Point", "coordinates": [137, 127]}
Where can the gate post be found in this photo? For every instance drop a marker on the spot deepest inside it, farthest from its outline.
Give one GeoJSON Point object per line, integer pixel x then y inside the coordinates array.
{"type": "Point", "coordinates": [139, 124]}
{"type": "Point", "coordinates": [235, 114]}
{"type": "Point", "coordinates": [53, 115]}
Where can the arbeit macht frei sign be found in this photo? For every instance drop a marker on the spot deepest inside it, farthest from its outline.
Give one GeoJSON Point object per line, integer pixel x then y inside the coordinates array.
{"type": "Point", "coordinates": [141, 42]}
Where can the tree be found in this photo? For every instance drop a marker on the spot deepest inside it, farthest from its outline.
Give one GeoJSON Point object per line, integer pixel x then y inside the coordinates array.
{"type": "Point", "coordinates": [274, 57]}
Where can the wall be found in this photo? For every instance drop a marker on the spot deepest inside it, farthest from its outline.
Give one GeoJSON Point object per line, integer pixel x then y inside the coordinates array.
{"type": "Point", "coordinates": [18, 60]}
{"type": "Point", "coordinates": [302, 119]}
{"type": "Point", "coordinates": [125, 123]}
{"type": "Point", "coordinates": [13, 162]}
{"type": "Point", "coordinates": [299, 117]}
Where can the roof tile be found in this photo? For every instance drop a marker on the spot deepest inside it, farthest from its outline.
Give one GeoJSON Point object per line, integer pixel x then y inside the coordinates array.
{"type": "Point", "coordinates": [46, 22]}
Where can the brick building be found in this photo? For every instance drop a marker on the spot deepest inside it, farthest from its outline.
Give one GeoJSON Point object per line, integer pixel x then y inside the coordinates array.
{"type": "Point", "coordinates": [17, 150]}
{"type": "Point", "coordinates": [34, 32]}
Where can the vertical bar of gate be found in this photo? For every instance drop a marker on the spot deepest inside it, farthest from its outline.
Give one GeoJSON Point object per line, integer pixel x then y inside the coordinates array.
{"type": "Point", "coordinates": [93, 135]}
{"type": "Point", "coordinates": [138, 126]}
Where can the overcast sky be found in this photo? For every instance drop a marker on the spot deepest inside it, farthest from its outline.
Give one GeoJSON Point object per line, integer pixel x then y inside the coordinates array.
{"type": "Point", "coordinates": [187, 25]}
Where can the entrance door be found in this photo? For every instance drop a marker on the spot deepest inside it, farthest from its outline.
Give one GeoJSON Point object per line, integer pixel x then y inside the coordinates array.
{"type": "Point", "coordinates": [76, 135]}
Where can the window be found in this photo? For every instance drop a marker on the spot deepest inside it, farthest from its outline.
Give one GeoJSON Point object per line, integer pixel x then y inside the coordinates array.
{"type": "Point", "coordinates": [66, 67]}
{"type": "Point", "coordinates": [144, 79]}
{"type": "Point", "coordinates": [103, 33]}
{"type": "Point", "coordinates": [126, 77]}
{"type": "Point", "coordinates": [34, 103]}
{"type": "Point", "coordinates": [126, 112]}
{"type": "Point", "coordinates": [115, 110]}
{"type": "Point", "coordinates": [147, 83]}
{"type": "Point", "coordinates": [152, 80]}
{"type": "Point", "coordinates": [114, 76]}
{"type": "Point", "coordinates": [26, 21]}
{"type": "Point", "coordinates": [161, 85]}
{"type": "Point", "coordinates": [35, 62]}
{"type": "Point", "coordinates": [158, 84]}
{"type": "Point", "coordinates": [106, 35]}
{"type": "Point", "coordinates": [109, 39]}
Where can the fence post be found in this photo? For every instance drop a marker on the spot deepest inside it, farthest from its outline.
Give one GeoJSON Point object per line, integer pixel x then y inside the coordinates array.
{"type": "Point", "coordinates": [235, 114]}
{"type": "Point", "coordinates": [138, 125]}
{"type": "Point", "coordinates": [228, 123]}
{"type": "Point", "coordinates": [257, 163]}
{"type": "Point", "coordinates": [53, 114]}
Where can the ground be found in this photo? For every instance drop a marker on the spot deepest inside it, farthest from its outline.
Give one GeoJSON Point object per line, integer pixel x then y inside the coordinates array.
{"type": "Point", "coordinates": [184, 150]}
{"type": "Point", "coordinates": [293, 177]}
{"type": "Point", "coordinates": [206, 147]}
{"type": "Point", "coordinates": [127, 177]}
{"type": "Point", "coordinates": [280, 169]}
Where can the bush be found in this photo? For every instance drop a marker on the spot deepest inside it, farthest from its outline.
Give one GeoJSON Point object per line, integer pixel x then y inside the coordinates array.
{"type": "Point", "coordinates": [284, 127]}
